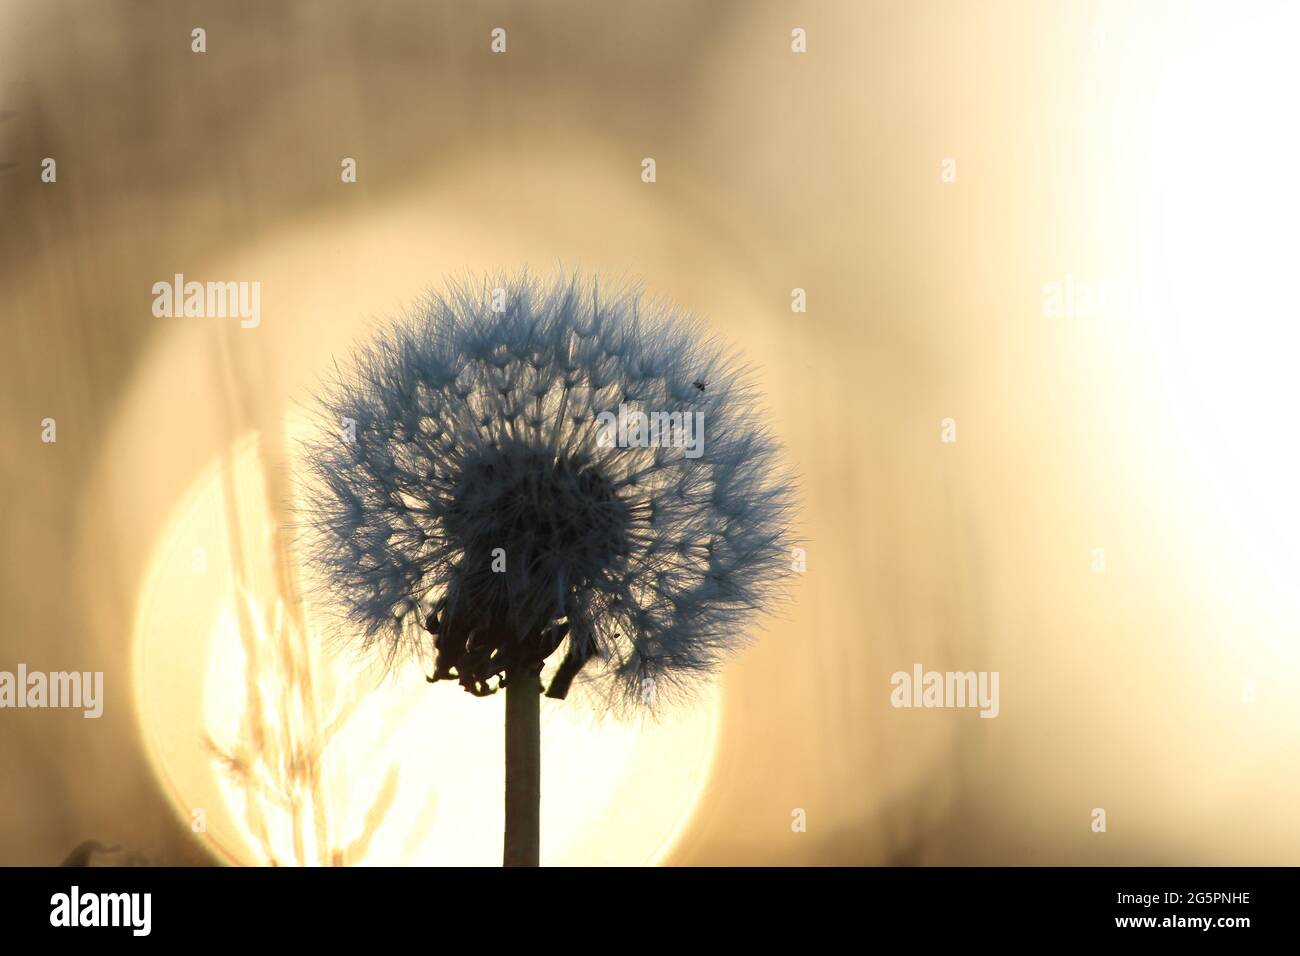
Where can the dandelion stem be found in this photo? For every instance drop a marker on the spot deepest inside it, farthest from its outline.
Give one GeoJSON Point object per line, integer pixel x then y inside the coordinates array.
{"type": "Point", "coordinates": [523, 769]}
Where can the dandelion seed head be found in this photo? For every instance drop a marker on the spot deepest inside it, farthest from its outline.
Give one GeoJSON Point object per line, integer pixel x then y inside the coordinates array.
{"type": "Point", "coordinates": [476, 499]}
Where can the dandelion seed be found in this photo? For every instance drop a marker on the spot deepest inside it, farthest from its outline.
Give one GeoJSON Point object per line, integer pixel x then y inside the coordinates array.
{"type": "Point", "coordinates": [479, 431]}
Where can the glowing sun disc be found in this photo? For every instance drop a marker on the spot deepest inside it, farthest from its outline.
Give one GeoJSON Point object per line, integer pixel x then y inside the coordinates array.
{"type": "Point", "coordinates": [339, 762]}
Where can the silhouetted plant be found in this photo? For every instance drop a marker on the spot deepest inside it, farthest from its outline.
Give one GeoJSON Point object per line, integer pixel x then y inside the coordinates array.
{"type": "Point", "coordinates": [474, 489]}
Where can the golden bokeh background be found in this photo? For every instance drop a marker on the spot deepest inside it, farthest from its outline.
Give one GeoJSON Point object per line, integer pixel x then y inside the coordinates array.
{"type": "Point", "coordinates": [1099, 299]}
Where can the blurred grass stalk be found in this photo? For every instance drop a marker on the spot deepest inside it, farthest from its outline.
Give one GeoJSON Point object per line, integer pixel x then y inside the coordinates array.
{"type": "Point", "coordinates": [293, 712]}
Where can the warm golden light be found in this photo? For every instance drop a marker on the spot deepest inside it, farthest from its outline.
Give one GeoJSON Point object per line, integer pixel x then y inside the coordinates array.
{"type": "Point", "coordinates": [283, 752]}
{"type": "Point", "coordinates": [1070, 232]}
{"type": "Point", "coordinates": [1223, 317]}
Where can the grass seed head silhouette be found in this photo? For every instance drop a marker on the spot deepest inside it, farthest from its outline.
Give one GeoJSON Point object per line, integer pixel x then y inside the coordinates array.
{"type": "Point", "coordinates": [468, 490]}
